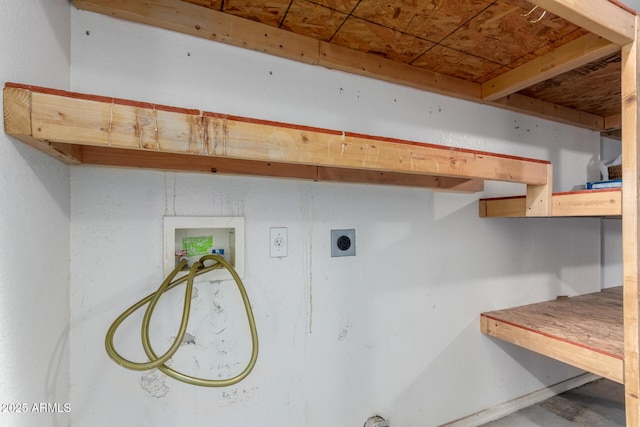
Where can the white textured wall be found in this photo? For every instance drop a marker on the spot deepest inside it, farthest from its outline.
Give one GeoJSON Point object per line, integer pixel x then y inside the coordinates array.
{"type": "Point", "coordinates": [394, 330]}
{"type": "Point", "coordinates": [635, 4]}
{"type": "Point", "coordinates": [34, 225]}
{"type": "Point", "coordinates": [611, 227]}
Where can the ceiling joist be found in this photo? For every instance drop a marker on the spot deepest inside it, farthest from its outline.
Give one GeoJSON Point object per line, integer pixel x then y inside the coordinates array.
{"type": "Point", "coordinates": [567, 57]}
{"type": "Point", "coordinates": [601, 17]}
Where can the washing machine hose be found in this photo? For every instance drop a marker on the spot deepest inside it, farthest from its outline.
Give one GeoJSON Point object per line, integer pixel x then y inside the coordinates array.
{"type": "Point", "coordinates": [198, 268]}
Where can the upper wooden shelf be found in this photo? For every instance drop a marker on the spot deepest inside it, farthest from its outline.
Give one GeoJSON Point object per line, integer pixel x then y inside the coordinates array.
{"type": "Point", "coordinates": [560, 61]}
{"type": "Point", "coordinates": [605, 202]}
{"type": "Point", "coordinates": [584, 331]}
{"type": "Point", "coordinates": [97, 130]}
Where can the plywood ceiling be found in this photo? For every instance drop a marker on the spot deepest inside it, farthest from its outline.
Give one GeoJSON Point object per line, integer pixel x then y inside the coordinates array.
{"type": "Point", "coordinates": [475, 40]}
{"type": "Point", "coordinates": [594, 87]}
{"type": "Point", "coordinates": [506, 52]}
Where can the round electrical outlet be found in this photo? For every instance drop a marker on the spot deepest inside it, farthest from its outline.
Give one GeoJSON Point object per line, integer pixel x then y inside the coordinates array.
{"type": "Point", "coordinates": [344, 243]}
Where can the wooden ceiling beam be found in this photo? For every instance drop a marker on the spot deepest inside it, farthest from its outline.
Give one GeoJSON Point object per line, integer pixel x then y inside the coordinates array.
{"type": "Point", "coordinates": [612, 134]}
{"type": "Point", "coordinates": [613, 122]}
{"type": "Point", "coordinates": [374, 66]}
{"type": "Point", "coordinates": [206, 23]}
{"type": "Point", "coordinates": [601, 17]}
{"type": "Point", "coordinates": [547, 110]}
{"type": "Point", "coordinates": [579, 52]}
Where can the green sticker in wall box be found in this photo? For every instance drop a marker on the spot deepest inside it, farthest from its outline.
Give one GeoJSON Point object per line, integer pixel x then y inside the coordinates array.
{"type": "Point", "coordinates": [197, 245]}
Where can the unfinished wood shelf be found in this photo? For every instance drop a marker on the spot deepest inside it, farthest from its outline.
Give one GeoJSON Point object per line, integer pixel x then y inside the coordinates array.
{"type": "Point", "coordinates": [604, 202]}
{"type": "Point", "coordinates": [88, 129]}
{"type": "Point", "coordinates": [584, 331]}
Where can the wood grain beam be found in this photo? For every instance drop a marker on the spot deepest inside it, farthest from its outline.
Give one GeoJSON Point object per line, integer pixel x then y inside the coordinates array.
{"type": "Point", "coordinates": [206, 23]}
{"type": "Point", "coordinates": [89, 120]}
{"type": "Point", "coordinates": [630, 230]}
{"type": "Point", "coordinates": [436, 183]}
{"type": "Point", "coordinates": [575, 203]}
{"type": "Point", "coordinates": [547, 110]}
{"type": "Point", "coordinates": [613, 122]}
{"type": "Point", "coordinates": [579, 52]}
{"type": "Point", "coordinates": [601, 17]}
{"type": "Point", "coordinates": [613, 134]}
{"type": "Point", "coordinates": [538, 198]}
{"type": "Point", "coordinates": [268, 141]}
{"type": "Point", "coordinates": [584, 331]}
{"type": "Point", "coordinates": [105, 156]}
{"type": "Point", "coordinates": [369, 65]}
{"type": "Point", "coordinates": [18, 123]}
{"type": "Point", "coordinates": [581, 357]}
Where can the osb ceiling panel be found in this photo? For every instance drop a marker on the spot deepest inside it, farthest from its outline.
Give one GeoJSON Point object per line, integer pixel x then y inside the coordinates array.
{"type": "Point", "coordinates": [449, 61]}
{"type": "Point", "coordinates": [595, 87]}
{"type": "Point", "coordinates": [428, 19]}
{"type": "Point", "coordinates": [474, 40]}
{"type": "Point", "coordinates": [373, 38]}
{"type": "Point", "coordinates": [502, 34]}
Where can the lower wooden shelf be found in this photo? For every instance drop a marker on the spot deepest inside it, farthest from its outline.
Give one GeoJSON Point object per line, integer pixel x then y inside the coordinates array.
{"type": "Point", "coordinates": [604, 202]}
{"type": "Point", "coordinates": [91, 129]}
{"type": "Point", "coordinates": [584, 331]}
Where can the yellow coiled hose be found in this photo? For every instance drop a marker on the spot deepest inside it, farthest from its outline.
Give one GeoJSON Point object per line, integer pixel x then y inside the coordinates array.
{"type": "Point", "coordinates": [155, 361]}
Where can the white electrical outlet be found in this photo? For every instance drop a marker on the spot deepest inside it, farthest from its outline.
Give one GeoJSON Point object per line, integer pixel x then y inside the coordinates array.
{"type": "Point", "coordinates": [279, 242]}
